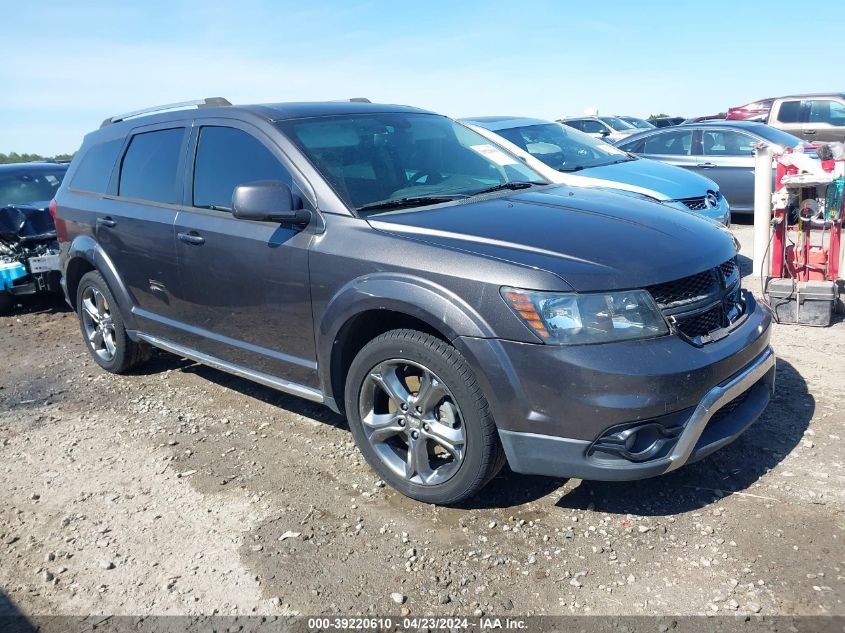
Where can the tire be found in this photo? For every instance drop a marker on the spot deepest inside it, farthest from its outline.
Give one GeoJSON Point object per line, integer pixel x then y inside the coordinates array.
{"type": "Point", "coordinates": [109, 345]}
{"type": "Point", "coordinates": [448, 412]}
{"type": "Point", "coordinates": [6, 302]}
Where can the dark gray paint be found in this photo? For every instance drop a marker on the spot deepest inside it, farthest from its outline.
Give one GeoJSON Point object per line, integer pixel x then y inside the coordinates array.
{"type": "Point", "coordinates": [267, 301]}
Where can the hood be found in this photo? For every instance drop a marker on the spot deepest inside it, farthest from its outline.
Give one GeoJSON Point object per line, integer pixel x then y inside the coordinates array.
{"type": "Point", "coordinates": [667, 181]}
{"type": "Point", "coordinates": [592, 239]}
{"type": "Point", "coordinates": [26, 222]}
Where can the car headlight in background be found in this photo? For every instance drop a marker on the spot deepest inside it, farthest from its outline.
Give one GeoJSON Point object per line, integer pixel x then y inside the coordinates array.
{"type": "Point", "coordinates": [578, 319]}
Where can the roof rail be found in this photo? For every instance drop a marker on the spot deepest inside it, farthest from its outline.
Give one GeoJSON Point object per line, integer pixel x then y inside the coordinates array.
{"type": "Point", "coordinates": [360, 100]}
{"type": "Point", "coordinates": [208, 102]}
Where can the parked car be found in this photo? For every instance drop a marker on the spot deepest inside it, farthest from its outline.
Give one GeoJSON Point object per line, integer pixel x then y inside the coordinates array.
{"type": "Point", "coordinates": [29, 261]}
{"type": "Point", "coordinates": [817, 117]}
{"type": "Point", "coordinates": [756, 110]}
{"type": "Point", "coordinates": [640, 124]}
{"type": "Point", "coordinates": [564, 155]}
{"type": "Point", "coordinates": [605, 128]}
{"type": "Point", "coordinates": [721, 150]}
{"type": "Point", "coordinates": [666, 121]}
{"type": "Point", "coordinates": [398, 267]}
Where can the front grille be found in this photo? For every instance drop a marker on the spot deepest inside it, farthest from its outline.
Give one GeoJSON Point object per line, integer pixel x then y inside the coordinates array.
{"type": "Point", "coordinates": [683, 290]}
{"type": "Point", "coordinates": [703, 303]}
{"type": "Point", "coordinates": [695, 204]}
{"type": "Point", "coordinates": [703, 322]}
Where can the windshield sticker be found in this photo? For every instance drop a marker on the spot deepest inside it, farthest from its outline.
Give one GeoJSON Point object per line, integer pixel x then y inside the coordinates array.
{"type": "Point", "coordinates": [496, 155]}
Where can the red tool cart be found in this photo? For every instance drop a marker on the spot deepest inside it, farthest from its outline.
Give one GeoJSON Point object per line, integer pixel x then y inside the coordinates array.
{"type": "Point", "coordinates": [806, 247]}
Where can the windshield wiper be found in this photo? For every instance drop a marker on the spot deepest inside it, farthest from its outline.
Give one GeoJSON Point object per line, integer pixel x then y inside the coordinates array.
{"type": "Point", "coordinates": [410, 201]}
{"type": "Point", "coordinates": [571, 169]}
{"type": "Point", "coordinates": [516, 184]}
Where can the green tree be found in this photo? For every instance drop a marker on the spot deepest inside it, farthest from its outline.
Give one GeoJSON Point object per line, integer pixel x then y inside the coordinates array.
{"type": "Point", "coordinates": [14, 157]}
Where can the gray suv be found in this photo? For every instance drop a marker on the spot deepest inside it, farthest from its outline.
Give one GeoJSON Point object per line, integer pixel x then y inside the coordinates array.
{"type": "Point", "coordinates": [391, 263]}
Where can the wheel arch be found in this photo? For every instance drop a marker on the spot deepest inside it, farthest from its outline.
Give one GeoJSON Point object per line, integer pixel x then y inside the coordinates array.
{"type": "Point", "coordinates": [85, 255]}
{"type": "Point", "coordinates": [371, 305]}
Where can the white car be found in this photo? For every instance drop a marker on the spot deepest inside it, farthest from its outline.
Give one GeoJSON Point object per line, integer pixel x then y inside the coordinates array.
{"type": "Point", "coordinates": [604, 128]}
{"type": "Point", "coordinates": [557, 152]}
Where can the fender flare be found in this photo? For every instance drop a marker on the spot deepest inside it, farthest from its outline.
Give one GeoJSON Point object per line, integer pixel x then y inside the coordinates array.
{"type": "Point", "coordinates": [431, 303]}
{"type": "Point", "coordinates": [86, 247]}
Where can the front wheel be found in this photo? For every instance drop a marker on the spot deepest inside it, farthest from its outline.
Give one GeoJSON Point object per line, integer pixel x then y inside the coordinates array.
{"type": "Point", "coordinates": [418, 416]}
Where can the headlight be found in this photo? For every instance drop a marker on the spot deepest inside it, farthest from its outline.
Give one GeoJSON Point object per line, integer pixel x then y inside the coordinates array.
{"type": "Point", "coordinates": [577, 319]}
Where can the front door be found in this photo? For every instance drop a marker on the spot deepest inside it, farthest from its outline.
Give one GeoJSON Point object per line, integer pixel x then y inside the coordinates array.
{"type": "Point", "coordinates": [244, 294]}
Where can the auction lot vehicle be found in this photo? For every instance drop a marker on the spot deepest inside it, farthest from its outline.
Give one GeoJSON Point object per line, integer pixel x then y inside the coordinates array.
{"type": "Point", "coordinates": [567, 156]}
{"type": "Point", "coordinates": [29, 252]}
{"type": "Point", "coordinates": [756, 110]}
{"type": "Point", "coordinates": [606, 128]}
{"type": "Point", "coordinates": [813, 117]}
{"type": "Point", "coordinates": [719, 149]}
{"type": "Point", "coordinates": [396, 266]}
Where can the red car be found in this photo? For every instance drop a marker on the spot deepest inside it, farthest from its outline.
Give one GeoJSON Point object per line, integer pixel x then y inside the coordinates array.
{"type": "Point", "coordinates": [755, 109]}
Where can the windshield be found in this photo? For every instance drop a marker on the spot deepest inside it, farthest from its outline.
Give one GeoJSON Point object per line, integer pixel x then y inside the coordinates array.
{"type": "Point", "coordinates": [24, 186]}
{"type": "Point", "coordinates": [776, 136]}
{"type": "Point", "coordinates": [617, 124]}
{"type": "Point", "coordinates": [563, 148]}
{"type": "Point", "coordinates": [404, 159]}
{"type": "Point", "coordinates": [639, 123]}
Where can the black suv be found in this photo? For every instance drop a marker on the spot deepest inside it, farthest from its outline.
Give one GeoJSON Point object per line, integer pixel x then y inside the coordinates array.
{"type": "Point", "coordinates": [394, 265]}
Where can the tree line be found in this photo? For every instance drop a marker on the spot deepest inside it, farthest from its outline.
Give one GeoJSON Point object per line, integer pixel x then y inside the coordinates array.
{"type": "Point", "coordinates": [14, 157]}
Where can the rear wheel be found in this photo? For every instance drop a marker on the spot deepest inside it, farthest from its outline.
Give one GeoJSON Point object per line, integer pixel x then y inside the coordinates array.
{"type": "Point", "coordinates": [103, 328]}
{"type": "Point", "coordinates": [418, 416]}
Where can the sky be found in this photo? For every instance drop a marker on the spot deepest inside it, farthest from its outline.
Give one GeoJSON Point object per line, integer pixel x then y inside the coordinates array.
{"type": "Point", "coordinates": [72, 64]}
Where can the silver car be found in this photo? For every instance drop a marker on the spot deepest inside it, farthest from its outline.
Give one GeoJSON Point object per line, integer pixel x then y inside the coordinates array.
{"type": "Point", "coordinates": [604, 128]}
{"type": "Point", "coordinates": [721, 150]}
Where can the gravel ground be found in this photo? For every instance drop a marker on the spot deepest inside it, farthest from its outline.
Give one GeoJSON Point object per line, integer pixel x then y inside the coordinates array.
{"type": "Point", "coordinates": [183, 490]}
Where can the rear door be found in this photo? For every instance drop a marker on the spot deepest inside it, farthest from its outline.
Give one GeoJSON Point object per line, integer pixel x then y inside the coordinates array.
{"type": "Point", "coordinates": [244, 294]}
{"type": "Point", "coordinates": [825, 119]}
{"type": "Point", "coordinates": [134, 225]}
{"type": "Point", "coordinates": [727, 156]}
{"type": "Point", "coordinates": [670, 145]}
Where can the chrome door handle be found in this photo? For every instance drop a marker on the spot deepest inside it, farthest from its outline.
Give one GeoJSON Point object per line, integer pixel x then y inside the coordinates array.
{"type": "Point", "coordinates": [707, 165]}
{"type": "Point", "coordinates": [191, 237]}
{"type": "Point", "coordinates": [106, 221]}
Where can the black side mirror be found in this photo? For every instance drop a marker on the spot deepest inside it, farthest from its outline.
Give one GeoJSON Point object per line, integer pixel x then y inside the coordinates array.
{"type": "Point", "coordinates": [605, 132]}
{"type": "Point", "coordinates": [267, 201]}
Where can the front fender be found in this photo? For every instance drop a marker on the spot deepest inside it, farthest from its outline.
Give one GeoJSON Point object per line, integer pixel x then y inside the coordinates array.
{"type": "Point", "coordinates": [431, 303]}
{"type": "Point", "coordinates": [86, 248]}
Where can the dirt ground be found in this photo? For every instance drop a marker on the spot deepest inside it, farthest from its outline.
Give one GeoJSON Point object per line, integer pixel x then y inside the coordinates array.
{"type": "Point", "coordinates": [183, 490]}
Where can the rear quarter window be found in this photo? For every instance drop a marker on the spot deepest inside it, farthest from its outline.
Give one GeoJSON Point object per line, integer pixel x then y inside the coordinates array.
{"type": "Point", "coordinates": [96, 166]}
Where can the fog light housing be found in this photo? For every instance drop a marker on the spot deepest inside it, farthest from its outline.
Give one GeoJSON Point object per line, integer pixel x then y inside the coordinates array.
{"type": "Point", "coordinates": [637, 442]}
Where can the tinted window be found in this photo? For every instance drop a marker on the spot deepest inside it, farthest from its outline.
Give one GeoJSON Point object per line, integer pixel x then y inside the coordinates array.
{"type": "Point", "coordinates": [95, 167]}
{"type": "Point", "coordinates": [635, 147]}
{"type": "Point", "coordinates": [578, 125]}
{"type": "Point", "coordinates": [23, 186]}
{"type": "Point", "coordinates": [226, 158]}
{"type": "Point", "coordinates": [149, 169]}
{"type": "Point", "coordinates": [593, 127]}
{"type": "Point", "coordinates": [674, 142]}
{"type": "Point", "coordinates": [727, 143]}
{"type": "Point", "coordinates": [790, 112]}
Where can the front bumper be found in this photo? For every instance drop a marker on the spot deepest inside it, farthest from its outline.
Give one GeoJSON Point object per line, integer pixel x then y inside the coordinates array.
{"type": "Point", "coordinates": [555, 405]}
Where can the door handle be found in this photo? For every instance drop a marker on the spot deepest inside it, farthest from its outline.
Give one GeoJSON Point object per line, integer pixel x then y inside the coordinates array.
{"type": "Point", "coordinates": [707, 165]}
{"type": "Point", "coordinates": [809, 131]}
{"type": "Point", "coordinates": [106, 221]}
{"type": "Point", "coordinates": [191, 237]}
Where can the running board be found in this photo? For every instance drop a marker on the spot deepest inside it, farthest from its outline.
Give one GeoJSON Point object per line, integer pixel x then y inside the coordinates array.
{"type": "Point", "coordinates": [265, 379]}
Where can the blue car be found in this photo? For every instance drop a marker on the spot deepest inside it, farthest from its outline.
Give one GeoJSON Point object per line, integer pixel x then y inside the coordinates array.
{"type": "Point", "coordinates": [567, 156]}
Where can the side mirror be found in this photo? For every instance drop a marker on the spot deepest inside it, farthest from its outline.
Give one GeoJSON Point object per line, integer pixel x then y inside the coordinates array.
{"type": "Point", "coordinates": [605, 132]}
{"type": "Point", "coordinates": [267, 201]}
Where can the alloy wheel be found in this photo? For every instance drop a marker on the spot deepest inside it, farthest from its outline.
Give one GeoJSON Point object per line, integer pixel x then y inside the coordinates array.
{"type": "Point", "coordinates": [412, 421]}
{"type": "Point", "coordinates": [98, 323]}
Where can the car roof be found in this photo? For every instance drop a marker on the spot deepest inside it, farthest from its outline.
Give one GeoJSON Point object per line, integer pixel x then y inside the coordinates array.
{"type": "Point", "coordinates": [304, 109]}
{"type": "Point", "coordinates": [494, 123]}
{"type": "Point", "coordinates": [814, 94]}
{"type": "Point", "coordinates": [33, 166]}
